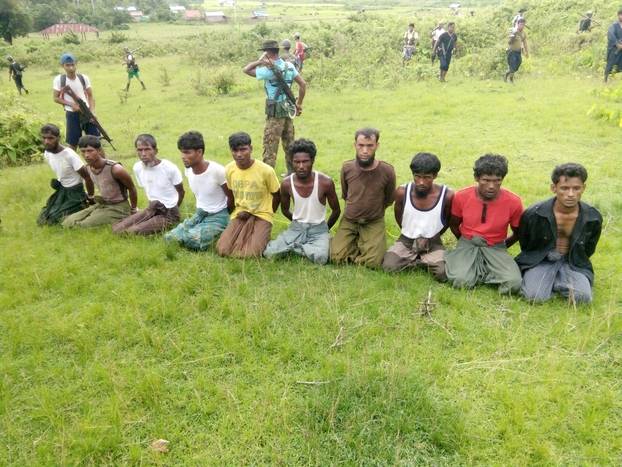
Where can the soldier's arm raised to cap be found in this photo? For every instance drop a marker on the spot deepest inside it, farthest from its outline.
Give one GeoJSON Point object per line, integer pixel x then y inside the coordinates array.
{"type": "Point", "coordinates": [286, 198]}
{"type": "Point", "coordinates": [123, 177]}
{"type": "Point", "coordinates": [398, 207]}
{"type": "Point", "coordinates": [250, 68]}
{"type": "Point", "coordinates": [333, 201]}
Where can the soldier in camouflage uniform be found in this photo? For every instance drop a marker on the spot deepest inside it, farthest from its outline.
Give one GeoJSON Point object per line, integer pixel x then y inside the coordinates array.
{"type": "Point", "coordinates": [279, 123]}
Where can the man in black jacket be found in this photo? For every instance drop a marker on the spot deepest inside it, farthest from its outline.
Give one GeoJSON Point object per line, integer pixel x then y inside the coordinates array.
{"type": "Point", "coordinates": [557, 238]}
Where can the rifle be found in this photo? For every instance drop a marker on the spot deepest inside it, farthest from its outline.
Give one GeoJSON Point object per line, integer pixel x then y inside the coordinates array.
{"type": "Point", "coordinates": [292, 110]}
{"type": "Point", "coordinates": [88, 116]}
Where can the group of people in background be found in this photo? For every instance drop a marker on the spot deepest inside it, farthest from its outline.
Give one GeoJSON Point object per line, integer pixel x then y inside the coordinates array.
{"type": "Point", "coordinates": [236, 204]}
{"type": "Point", "coordinates": [444, 41]}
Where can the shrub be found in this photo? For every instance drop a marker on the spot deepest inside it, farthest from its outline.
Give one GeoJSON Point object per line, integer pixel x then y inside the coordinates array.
{"type": "Point", "coordinates": [117, 38]}
{"type": "Point", "coordinates": [19, 132]}
{"type": "Point", "coordinates": [71, 37]}
{"type": "Point", "coordinates": [223, 80]}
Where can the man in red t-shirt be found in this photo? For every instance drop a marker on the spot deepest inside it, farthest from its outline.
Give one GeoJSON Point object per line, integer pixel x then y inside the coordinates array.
{"type": "Point", "coordinates": [480, 216]}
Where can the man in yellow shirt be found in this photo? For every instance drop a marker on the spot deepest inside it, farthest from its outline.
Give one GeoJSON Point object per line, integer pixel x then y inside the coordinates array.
{"type": "Point", "coordinates": [255, 190]}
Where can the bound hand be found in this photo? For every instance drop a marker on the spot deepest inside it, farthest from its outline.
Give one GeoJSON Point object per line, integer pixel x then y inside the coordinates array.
{"type": "Point", "coordinates": [243, 215]}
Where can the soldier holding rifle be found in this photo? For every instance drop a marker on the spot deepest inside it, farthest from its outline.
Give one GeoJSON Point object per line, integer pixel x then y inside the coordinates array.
{"type": "Point", "coordinates": [80, 86]}
{"type": "Point", "coordinates": [281, 105]}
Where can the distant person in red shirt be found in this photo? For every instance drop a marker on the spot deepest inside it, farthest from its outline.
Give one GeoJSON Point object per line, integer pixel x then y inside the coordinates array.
{"type": "Point", "coordinates": [480, 216]}
{"type": "Point", "coordinates": [299, 51]}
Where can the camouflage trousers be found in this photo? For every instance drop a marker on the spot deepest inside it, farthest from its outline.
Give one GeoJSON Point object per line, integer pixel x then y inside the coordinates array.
{"type": "Point", "coordinates": [277, 129]}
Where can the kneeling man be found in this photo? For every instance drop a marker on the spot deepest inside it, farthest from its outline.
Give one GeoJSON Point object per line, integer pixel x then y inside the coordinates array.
{"type": "Point", "coordinates": [164, 187]}
{"type": "Point", "coordinates": [113, 183]}
{"type": "Point", "coordinates": [480, 216]}
{"type": "Point", "coordinates": [256, 194]}
{"type": "Point", "coordinates": [308, 234]}
{"type": "Point", "coordinates": [422, 210]}
{"type": "Point", "coordinates": [557, 238]}
{"type": "Point", "coordinates": [69, 195]}
{"type": "Point", "coordinates": [368, 186]}
{"type": "Point", "coordinates": [214, 200]}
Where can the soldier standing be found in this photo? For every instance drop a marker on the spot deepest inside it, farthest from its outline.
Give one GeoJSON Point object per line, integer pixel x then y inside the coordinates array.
{"type": "Point", "coordinates": [16, 70]}
{"type": "Point", "coordinates": [278, 76]}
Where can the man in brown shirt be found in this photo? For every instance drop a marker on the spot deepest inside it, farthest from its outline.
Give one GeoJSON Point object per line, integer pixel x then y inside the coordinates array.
{"type": "Point", "coordinates": [368, 187]}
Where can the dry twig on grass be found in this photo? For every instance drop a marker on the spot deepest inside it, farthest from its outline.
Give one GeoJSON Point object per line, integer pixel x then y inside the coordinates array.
{"type": "Point", "coordinates": [425, 309]}
{"type": "Point", "coordinates": [339, 340]}
{"type": "Point", "coordinates": [313, 383]}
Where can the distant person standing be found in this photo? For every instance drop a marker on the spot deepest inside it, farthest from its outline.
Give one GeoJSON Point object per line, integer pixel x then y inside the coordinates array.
{"type": "Point", "coordinates": [300, 51]}
{"type": "Point", "coordinates": [81, 87]}
{"type": "Point", "coordinates": [411, 37]}
{"type": "Point", "coordinates": [279, 123]}
{"type": "Point", "coordinates": [586, 22]}
{"type": "Point", "coordinates": [434, 35]}
{"type": "Point", "coordinates": [517, 43]}
{"type": "Point", "coordinates": [445, 48]}
{"type": "Point", "coordinates": [614, 46]}
{"type": "Point", "coordinates": [132, 69]}
{"type": "Point", "coordinates": [16, 71]}
{"type": "Point", "coordinates": [286, 55]}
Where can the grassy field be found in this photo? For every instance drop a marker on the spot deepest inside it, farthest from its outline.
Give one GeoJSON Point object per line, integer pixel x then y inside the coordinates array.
{"type": "Point", "coordinates": [109, 343]}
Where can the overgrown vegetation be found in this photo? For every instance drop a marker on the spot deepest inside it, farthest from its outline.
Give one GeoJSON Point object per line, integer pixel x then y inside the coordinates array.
{"type": "Point", "coordinates": [20, 143]}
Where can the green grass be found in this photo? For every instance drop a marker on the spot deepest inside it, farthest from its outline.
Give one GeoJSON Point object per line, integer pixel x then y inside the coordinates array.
{"type": "Point", "coordinates": [109, 343]}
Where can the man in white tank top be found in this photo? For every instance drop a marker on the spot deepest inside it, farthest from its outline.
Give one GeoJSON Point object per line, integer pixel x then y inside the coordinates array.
{"type": "Point", "coordinates": [422, 210]}
{"type": "Point", "coordinates": [308, 234]}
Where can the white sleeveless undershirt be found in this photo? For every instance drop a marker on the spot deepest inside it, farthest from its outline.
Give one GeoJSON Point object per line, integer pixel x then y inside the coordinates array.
{"type": "Point", "coordinates": [422, 224]}
{"type": "Point", "coordinates": [308, 210]}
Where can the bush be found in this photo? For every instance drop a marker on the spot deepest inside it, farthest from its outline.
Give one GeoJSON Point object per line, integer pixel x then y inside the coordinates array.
{"type": "Point", "coordinates": [223, 80]}
{"type": "Point", "coordinates": [71, 37]}
{"type": "Point", "coordinates": [117, 38]}
{"type": "Point", "coordinates": [19, 132]}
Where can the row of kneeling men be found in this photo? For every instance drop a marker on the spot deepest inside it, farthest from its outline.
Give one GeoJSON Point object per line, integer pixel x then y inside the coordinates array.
{"type": "Point", "coordinates": [235, 207]}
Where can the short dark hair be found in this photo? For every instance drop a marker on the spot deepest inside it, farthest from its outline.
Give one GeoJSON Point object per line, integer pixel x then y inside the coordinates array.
{"type": "Point", "coordinates": [147, 139]}
{"type": "Point", "coordinates": [568, 170]}
{"type": "Point", "coordinates": [451, 24]}
{"type": "Point", "coordinates": [411, 24]}
{"type": "Point", "coordinates": [191, 140]}
{"type": "Point", "coordinates": [367, 133]}
{"type": "Point", "coordinates": [620, 12]}
{"type": "Point", "coordinates": [303, 145]}
{"type": "Point", "coordinates": [491, 164]}
{"type": "Point", "coordinates": [239, 139]}
{"type": "Point", "coordinates": [89, 140]}
{"type": "Point", "coordinates": [521, 20]}
{"type": "Point", "coordinates": [51, 129]}
{"type": "Point", "coordinates": [425, 163]}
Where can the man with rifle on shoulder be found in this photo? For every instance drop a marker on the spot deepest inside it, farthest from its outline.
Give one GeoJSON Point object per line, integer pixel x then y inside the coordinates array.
{"type": "Point", "coordinates": [281, 104]}
{"type": "Point", "coordinates": [68, 89]}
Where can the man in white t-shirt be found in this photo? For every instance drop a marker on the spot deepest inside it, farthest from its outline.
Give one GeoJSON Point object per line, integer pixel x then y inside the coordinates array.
{"type": "Point", "coordinates": [214, 199]}
{"type": "Point", "coordinates": [163, 186]}
{"type": "Point", "coordinates": [81, 86]}
{"type": "Point", "coordinates": [69, 195]}
{"type": "Point", "coordinates": [308, 234]}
